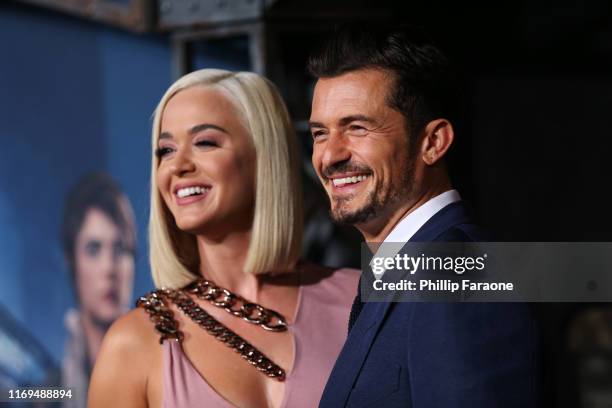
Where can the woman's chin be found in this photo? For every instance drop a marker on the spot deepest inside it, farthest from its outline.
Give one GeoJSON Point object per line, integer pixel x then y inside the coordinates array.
{"type": "Point", "coordinates": [196, 226]}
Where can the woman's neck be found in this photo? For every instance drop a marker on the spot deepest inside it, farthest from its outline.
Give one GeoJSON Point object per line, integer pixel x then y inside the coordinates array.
{"type": "Point", "coordinates": [222, 260]}
{"type": "Point", "coordinates": [94, 333]}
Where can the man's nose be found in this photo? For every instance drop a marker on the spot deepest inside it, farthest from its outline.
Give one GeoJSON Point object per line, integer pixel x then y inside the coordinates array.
{"type": "Point", "coordinates": [336, 150]}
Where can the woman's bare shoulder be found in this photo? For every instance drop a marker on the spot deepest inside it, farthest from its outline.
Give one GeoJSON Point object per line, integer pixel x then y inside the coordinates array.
{"type": "Point", "coordinates": [130, 352]}
{"type": "Point", "coordinates": [132, 332]}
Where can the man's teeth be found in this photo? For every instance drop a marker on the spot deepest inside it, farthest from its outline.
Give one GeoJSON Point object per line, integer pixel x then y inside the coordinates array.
{"type": "Point", "coordinates": [348, 180]}
{"type": "Point", "coordinates": [189, 191]}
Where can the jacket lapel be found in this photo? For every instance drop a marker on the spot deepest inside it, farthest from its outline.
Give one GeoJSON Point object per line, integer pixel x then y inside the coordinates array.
{"type": "Point", "coordinates": [372, 315]}
{"type": "Point", "coordinates": [353, 355]}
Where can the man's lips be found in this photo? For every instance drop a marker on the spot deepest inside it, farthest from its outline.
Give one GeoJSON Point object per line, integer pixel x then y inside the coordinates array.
{"type": "Point", "coordinates": [342, 182]}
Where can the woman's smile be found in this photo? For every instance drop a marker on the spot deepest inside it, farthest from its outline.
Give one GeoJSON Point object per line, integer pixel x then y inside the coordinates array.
{"type": "Point", "coordinates": [190, 193]}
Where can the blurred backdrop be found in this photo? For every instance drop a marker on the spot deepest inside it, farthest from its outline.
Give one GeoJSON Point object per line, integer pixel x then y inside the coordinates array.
{"type": "Point", "coordinates": [79, 80]}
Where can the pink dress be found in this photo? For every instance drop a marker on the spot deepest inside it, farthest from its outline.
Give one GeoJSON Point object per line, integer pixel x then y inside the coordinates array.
{"type": "Point", "coordinates": [319, 330]}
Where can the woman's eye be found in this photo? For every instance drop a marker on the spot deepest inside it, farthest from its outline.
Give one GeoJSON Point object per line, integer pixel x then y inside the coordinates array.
{"type": "Point", "coordinates": [119, 249]}
{"type": "Point", "coordinates": [206, 143]}
{"type": "Point", "coordinates": [93, 248]}
{"type": "Point", "coordinates": [162, 151]}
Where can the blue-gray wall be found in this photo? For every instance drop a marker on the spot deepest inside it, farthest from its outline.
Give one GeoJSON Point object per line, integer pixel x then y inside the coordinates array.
{"type": "Point", "coordinates": [75, 96]}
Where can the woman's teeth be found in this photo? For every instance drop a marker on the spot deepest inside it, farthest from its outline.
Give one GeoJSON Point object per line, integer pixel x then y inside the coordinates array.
{"type": "Point", "coordinates": [189, 191]}
{"type": "Point", "coordinates": [339, 182]}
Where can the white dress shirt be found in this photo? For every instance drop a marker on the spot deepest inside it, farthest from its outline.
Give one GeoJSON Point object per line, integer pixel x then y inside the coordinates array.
{"type": "Point", "coordinates": [409, 225]}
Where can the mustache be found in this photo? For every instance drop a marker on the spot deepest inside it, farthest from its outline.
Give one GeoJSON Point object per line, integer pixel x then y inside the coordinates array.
{"type": "Point", "coordinates": [345, 167]}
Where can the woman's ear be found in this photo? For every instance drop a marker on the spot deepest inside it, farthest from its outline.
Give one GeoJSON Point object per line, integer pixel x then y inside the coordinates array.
{"type": "Point", "coordinates": [438, 138]}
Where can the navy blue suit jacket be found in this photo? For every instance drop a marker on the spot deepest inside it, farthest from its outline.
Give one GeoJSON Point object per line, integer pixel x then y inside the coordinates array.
{"type": "Point", "coordinates": [430, 355]}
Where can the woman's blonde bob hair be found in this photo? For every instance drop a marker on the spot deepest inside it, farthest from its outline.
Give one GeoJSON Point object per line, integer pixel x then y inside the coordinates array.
{"type": "Point", "coordinates": [277, 222]}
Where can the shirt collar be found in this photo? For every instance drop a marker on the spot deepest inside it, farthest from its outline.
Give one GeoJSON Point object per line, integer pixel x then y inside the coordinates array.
{"type": "Point", "coordinates": [410, 224]}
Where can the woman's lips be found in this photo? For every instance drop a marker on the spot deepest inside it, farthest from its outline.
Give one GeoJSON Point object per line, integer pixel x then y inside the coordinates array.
{"type": "Point", "coordinates": [111, 296]}
{"type": "Point", "coordinates": [191, 198]}
{"type": "Point", "coordinates": [187, 193]}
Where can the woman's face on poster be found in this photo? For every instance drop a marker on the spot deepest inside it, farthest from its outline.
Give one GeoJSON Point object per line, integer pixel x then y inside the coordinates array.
{"type": "Point", "coordinates": [104, 268]}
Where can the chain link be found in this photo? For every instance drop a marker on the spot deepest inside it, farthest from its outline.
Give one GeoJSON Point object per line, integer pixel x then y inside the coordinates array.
{"type": "Point", "coordinates": [236, 305]}
{"type": "Point", "coordinates": [155, 305]}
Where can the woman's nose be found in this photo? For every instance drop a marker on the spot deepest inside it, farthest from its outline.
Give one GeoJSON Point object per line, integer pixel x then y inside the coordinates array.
{"type": "Point", "coordinates": [183, 163]}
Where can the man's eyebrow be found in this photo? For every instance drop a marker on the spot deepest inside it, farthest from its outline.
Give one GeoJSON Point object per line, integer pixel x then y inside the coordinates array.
{"type": "Point", "coordinates": [344, 121]}
{"type": "Point", "coordinates": [315, 125]}
{"type": "Point", "coordinates": [194, 130]}
{"type": "Point", "coordinates": [355, 118]}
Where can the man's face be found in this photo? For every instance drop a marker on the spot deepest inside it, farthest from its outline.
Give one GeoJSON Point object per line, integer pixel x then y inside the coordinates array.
{"type": "Point", "coordinates": [360, 150]}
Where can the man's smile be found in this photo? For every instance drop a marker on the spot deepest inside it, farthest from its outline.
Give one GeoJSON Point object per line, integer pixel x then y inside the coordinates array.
{"type": "Point", "coordinates": [343, 184]}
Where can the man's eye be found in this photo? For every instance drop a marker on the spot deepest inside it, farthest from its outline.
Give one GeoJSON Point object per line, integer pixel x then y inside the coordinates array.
{"type": "Point", "coordinates": [317, 133]}
{"type": "Point", "coordinates": [162, 151]}
{"type": "Point", "coordinates": [357, 128]}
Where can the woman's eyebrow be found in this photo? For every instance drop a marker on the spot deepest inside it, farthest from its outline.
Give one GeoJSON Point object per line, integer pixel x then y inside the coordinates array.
{"type": "Point", "coordinates": [205, 126]}
{"type": "Point", "coordinates": [165, 135]}
{"type": "Point", "coordinates": [194, 130]}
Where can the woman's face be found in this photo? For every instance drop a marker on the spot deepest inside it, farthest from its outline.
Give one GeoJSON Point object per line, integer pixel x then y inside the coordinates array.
{"type": "Point", "coordinates": [104, 268]}
{"type": "Point", "coordinates": [206, 171]}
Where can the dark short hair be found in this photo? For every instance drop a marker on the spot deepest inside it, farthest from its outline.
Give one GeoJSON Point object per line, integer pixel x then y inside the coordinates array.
{"type": "Point", "coordinates": [425, 86]}
{"type": "Point", "coordinates": [96, 190]}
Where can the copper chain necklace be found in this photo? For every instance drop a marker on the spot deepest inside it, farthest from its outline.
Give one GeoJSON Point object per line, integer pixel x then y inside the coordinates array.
{"type": "Point", "coordinates": [236, 305]}
{"type": "Point", "coordinates": [156, 305]}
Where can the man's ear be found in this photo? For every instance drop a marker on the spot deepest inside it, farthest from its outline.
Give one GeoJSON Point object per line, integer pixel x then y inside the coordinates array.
{"type": "Point", "coordinates": [438, 137]}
